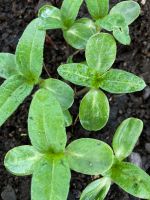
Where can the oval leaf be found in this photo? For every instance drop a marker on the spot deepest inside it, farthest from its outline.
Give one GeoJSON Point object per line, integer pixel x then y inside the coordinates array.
{"type": "Point", "coordinates": [68, 118]}
{"type": "Point", "coordinates": [89, 156]}
{"type": "Point", "coordinates": [22, 160]}
{"type": "Point", "coordinates": [94, 110]}
{"type": "Point", "coordinates": [12, 93]}
{"type": "Point", "coordinates": [50, 17]}
{"type": "Point", "coordinates": [29, 52]}
{"type": "Point", "coordinates": [98, 8]}
{"type": "Point", "coordinates": [130, 10]}
{"type": "Point", "coordinates": [62, 92]}
{"type": "Point", "coordinates": [131, 179]}
{"type": "Point", "coordinates": [46, 123]}
{"type": "Point", "coordinates": [69, 11]}
{"type": "Point", "coordinates": [7, 65]}
{"type": "Point", "coordinates": [122, 35]}
{"type": "Point", "coordinates": [79, 74]}
{"type": "Point", "coordinates": [97, 190]}
{"type": "Point", "coordinates": [101, 52]}
{"type": "Point", "coordinates": [119, 81]}
{"type": "Point", "coordinates": [126, 137]}
{"type": "Point", "coordinates": [79, 33]}
{"type": "Point", "coordinates": [51, 180]}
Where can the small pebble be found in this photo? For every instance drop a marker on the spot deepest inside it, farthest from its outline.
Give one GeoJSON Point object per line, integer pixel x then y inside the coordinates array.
{"type": "Point", "coordinates": [136, 159]}
{"type": "Point", "coordinates": [147, 147]}
{"type": "Point", "coordinates": [8, 193]}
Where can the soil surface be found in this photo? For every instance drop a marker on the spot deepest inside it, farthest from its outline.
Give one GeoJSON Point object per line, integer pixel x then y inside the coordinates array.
{"type": "Point", "coordinates": [14, 16]}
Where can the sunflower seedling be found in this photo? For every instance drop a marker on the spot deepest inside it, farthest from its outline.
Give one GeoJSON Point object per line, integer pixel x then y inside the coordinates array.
{"type": "Point", "coordinates": [128, 176]}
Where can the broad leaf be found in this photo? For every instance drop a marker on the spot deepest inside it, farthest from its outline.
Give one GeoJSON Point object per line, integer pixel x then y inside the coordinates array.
{"type": "Point", "coordinates": [51, 180]}
{"type": "Point", "coordinates": [132, 179]}
{"type": "Point", "coordinates": [97, 190]}
{"type": "Point", "coordinates": [22, 160]}
{"type": "Point", "coordinates": [126, 137]}
{"type": "Point", "coordinates": [89, 156]}
{"type": "Point", "coordinates": [12, 93]}
{"type": "Point", "coordinates": [46, 123]}
{"type": "Point", "coordinates": [79, 74]}
{"type": "Point", "coordinates": [79, 33]}
{"type": "Point", "coordinates": [122, 35]}
{"type": "Point", "coordinates": [130, 10]}
{"type": "Point", "coordinates": [98, 8]}
{"type": "Point", "coordinates": [101, 52]}
{"type": "Point", "coordinates": [62, 92]}
{"type": "Point", "coordinates": [94, 110]}
{"type": "Point", "coordinates": [29, 52]}
{"type": "Point", "coordinates": [50, 17]}
{"type": "Point", "coordinates": [7, 65]}
{"type": "Point", "coordinates": [68, 118]}
{"type": "Point", "coordinates": [69, 11]}
{"type": "Point", "coordinates": [119, 81]}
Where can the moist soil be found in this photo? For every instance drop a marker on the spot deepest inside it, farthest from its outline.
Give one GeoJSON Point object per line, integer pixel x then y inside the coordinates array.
{"type": "Point", "coordinates": [14, 17]}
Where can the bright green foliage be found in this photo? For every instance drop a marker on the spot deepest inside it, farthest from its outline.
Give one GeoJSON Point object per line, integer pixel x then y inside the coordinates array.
{"type": "Point", "coordinates": [119, 81]}
{"type": "Point", "coordinates": [132, 179]}
{"type": "Point", "coordinates": [128, 176]}
{"type": "Point", "coordinates": [29, 52]}
{"type": "Point", "coordinates": [89, 156]}
{"type": "Point", "coordinates": [94, 110]}
{"type": "Point", "coordinates": [22, 160]}
{"type": "Point", "coordinates": [97, 190]}
{"type": "Point", "coordinates": [126, 137]}
{"type": "Point", "coordinates": [98, 9]}
{"type": "Point", "coordinates": [61, 91]}
{"type": "Point", "coordinates": [67, 118]}
{"type": "Point", "coordinates": [100, 55]}
{"type": "Point", "coordinates": [46, 123]}
{"type": "Point", "coordinates": [69, 11]}
{"type": "Point", "coordinates": [12, 93]}
{"type": "Point", "coordinates": [79, 33]}
{"type": "Point", "coordinates": [7, 65]}
{"type": "Point", "coordinates": [51, 17]}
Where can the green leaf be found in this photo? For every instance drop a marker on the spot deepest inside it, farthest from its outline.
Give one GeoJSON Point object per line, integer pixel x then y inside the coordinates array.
{"type": "Point", "coordinates": [22, 160]}
{"type": "Point", "coordinates": [46, 123]}
{"type": "Point", "coordinates": [94, 110]}
{"type": "Point", "coordinates": [61, 91]}
{"type": "Point", "coordinates": [69, 11]}
{"type": "Point", "coordinates": [97, 190]}
{"type": "Point", "coordinates": [50, 17]}
{"type": "Point", "coordinates": [68, 118]}
{"type": "Point", "coordinates": [29, 52]}
{"type": "Point", "coordinates": [101, 52]}
{"type": "Point", "coordinates": [130, 10]}
{"type": "Point", "coordinates": [122, 35]}
{"type": "Point", "coordinates": [79, 74]}
{"type": "Point", "coordinates": [51, 180]}
{"type": "Point", "coordinates": [98, 8]}
{"type": "Point", "coordinates": [89, 156]}
{"type": "Point", "coordinates": [79, 33]}
{"type": "Point", "coordinates": [126, 137]}
{"type": "Point", "coordinates": [12, 93]}
{"type": "Point", "coordinates": [7, 65]}
{"type": "Point", "coordinates": [119, 81]}
{"type": "Point", "coordinates": [132, 179]}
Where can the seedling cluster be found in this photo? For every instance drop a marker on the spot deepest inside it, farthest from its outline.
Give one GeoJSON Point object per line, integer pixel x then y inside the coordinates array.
{"type": "Point", "coordinates": [48, 159]}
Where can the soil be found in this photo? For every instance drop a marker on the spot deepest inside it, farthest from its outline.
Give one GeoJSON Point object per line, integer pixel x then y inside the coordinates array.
{"type": "Point", "coordinates": [14, 16]}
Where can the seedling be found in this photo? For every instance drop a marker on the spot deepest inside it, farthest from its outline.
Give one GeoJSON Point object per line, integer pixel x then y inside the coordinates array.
{"type": "Point", "coordinates": [22, 72]}
{"type": "Point", "coordinates": [47, 159]}
{"type": "Point", "coordinates": [100, 55]}
{"type": "Point", "coordinates": [129, 177]}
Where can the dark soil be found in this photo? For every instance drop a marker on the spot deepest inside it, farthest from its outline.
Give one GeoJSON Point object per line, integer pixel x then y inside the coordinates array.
{"type": "Point", "coordinates": [14, 16]}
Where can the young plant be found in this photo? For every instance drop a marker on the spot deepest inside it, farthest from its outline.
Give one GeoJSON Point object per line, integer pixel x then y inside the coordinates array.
{"type": "Point", "coordinates": [129, 177]}
{"type": "Point", "coordinates": [100, 55]}
{"type": "Point", "coordinates": [48, 160]}
{"type": "Point", "coordinates": [76, 32]}
{"type": "Point", "coordinates": [22, 71]}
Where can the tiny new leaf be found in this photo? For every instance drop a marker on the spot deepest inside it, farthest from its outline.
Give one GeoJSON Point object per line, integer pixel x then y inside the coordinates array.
{"type": "Point", "coordinates": [46, 123]}
{"type": "Point", "coordinates": [126, 137]}
{"type": "Point", "coordinates": [97, 190]}
{"type": "Point", "coordinates": [94, 110]}
{"type": "Point", "coordinates": [89, 156]}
